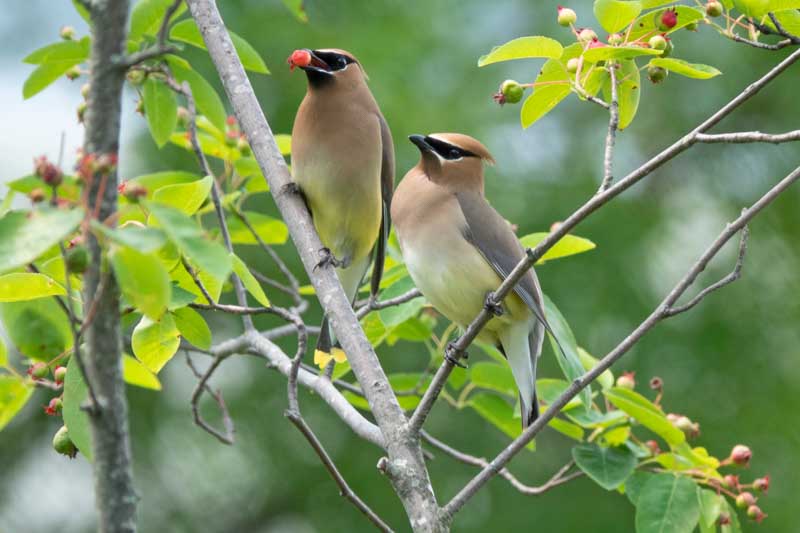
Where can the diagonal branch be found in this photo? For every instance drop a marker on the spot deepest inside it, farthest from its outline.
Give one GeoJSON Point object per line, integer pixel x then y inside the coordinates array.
{"type": "Point", "coordinates": [613, 124]}
{"type": "Point", "coordinates": [660, 313]}
{"type": "Point", "coordinates": [457, 349]}
{"type": "Point", "coordinates": [161, 47]}
{"type": "Point", "coordinates": [202, 386]}
{"type": "Point", "coordinates": [749, 137]}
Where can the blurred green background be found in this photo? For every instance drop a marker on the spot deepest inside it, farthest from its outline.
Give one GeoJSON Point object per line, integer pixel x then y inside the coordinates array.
{"type": "Point", "coordinates": [731, 364]}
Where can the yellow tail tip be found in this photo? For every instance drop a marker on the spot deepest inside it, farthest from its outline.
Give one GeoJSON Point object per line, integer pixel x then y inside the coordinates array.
{"type": "Point", "coordinates": [322, 358]}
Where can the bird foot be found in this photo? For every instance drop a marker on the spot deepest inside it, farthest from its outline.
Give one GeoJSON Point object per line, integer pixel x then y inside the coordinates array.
{"type": "Point", "coordinates": [291, 188]}
{"type": "Point", "coordinates": [492, 306]}
{"type": "Point", "coordinates": [328, 259]}
{"type": "Point", "coordinates": [450, 355]}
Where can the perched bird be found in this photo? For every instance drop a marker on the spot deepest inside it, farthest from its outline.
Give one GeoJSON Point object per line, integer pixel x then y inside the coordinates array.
{"type": "Point", "coordinates": [458, 248]}
{"type": "Point", "coordinates": [343, 164]}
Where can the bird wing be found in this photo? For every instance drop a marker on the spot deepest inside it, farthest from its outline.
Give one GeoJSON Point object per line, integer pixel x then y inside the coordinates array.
{"type": "Point", "coordinates": [387, 189]}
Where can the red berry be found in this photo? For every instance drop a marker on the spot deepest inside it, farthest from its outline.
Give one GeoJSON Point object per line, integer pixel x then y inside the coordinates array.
{"type": "Point", "coordinates": [299, 58]}
{"type": "Point", "coordinates": [653, 446]}
{"type": "Point", "coordinates": [669, 19]}
{"type": "Point", "coordinates": [60, 373]}
{"type": "Point", "coordinates": [741, 455]}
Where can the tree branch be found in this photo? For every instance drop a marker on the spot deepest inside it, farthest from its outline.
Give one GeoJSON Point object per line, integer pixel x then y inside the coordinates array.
{"type": "Point", "coordinates": [613, 124]}
{"type": "Point", "coordinates": [114, 491]}
{"type": "Point", "coordinates": [660, 313]}
{"type": "Point", "coordinates": [749, 137]}
{"type": "Point", "coordinates": [457, 349]}
{"type": "Point", "coordinates": [407, 470]}
{"type": "Point", "coordinates": [202, 385]}
{"type": "Point", "coordinates": [375, 305]}
{"type": "Point", "coordinates": [161, 47]}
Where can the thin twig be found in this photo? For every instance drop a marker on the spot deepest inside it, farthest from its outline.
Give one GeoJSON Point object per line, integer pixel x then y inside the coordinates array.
{"type": "Point", "coordinates": [749, 137]}
{"type": "Point", "coordinates": [559, 478]}
{"type": "Point", "coordinates": [660, 313]}
{"type": "Point", "coordinates": [730, 278]}
{"type": "Point", "coordinates": [782, 31]}
{"type": "Point", "coordinates": [457, 349]}
{"type": "Point", "coordinates": [756, 44]}
{"type": "Point", "coordinates": [161, 47]}
{"type": "Point", "coordinates": [375, 305]}
{"type": "Point", "coordinates": [196, 279]}
{"type": "Point", "coordinates": [613, 124]}
{"type": "Point", "coordinates": [202, 385]}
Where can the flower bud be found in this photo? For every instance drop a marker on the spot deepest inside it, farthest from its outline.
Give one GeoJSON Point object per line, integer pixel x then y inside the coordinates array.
{"type": "Point", "coordinates": [745, 500]}
{"type": "Point", "coordinates": [587, 35]}
{"type": "Point", "coordinates": [73, 73]}
{"type": "Point", "coordinates": [512, 91]}
{"type": "Point", "coordinates": [60, 373]}
{"type": "Point", "coordinates": [63, 444]}
{"type": "Point", "coordinates": [740, 455]}
{"type": "Point", "coordinates": [627, 380]}
{"type": "Point", "coordinates": [713, 8]}
{"type": "Point", "coordinates": [754, 512]}
{"type": "Point", "coordinates": [761, 484]}
{"type": "Point", "coordinates": [67, 33]}
{"type": "Point", "coordinates": [566, 16]}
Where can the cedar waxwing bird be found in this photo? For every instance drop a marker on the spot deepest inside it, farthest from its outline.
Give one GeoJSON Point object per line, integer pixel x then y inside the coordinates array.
{"type": "Point", "coordinates": [343, 164]}
{"type": "Point", "coordinates": [458, 249]}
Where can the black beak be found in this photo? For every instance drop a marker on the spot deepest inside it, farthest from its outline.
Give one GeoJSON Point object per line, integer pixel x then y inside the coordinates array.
{"type": "Point", "coordinates": [317, 66]}
{"type": "Point", "coordinates": [421, 142]}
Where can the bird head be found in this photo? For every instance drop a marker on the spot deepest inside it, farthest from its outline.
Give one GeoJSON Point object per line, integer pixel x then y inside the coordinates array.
{"type": "Point", "coordinates": [328, 66]}
{"type": "Point", "coordinates": [452, 158]}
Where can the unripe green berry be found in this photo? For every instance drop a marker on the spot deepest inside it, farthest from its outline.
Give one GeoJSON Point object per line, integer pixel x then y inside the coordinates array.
{"type": "Point", "coordinates": [39, 370]}
{"type": "Point", "coordinates": [657, 42]}
{"type": "Point", "coordinates": [60, 373]}
{"type": "Point", "coordinates": [587, 35]}
{"type": "Point", "coordinates": [73, 73]}
{"type": "Point", "coordinates": [713, 8]}
{"type": "Point", "coordinates": [656, 74]}
{"type": "Point", "coordinates": [85, 90]}
{"type": "Point", "coordinates": [135, 76]}
{"type": "Point", "coordinates": [744, 500]}
{"type": "Point", "coordinates": [566, 16]}
{"type": "Point", "coordinates": [692, 26]}
{"type": "Point", "coordinates": [63, 444]}
{"type": "Point", "coordinates": [183, 116]}
{"type": "Point", "coordinates": [668, 50]}
{"type": "Point", "coordinates": [77, 259]}
{"type": "Point", "coordinates": [67, 33]}
{"type": "Point", "coordinates": [615, 39]}
{"type": "Point", "coordinates": [572, 65]}
{"type": "Point", "coordinates": [82, 111]}
{"type": "Point", "coordinates": [243, 146]}
{"type": "Point", "coordinates": [512, 91]}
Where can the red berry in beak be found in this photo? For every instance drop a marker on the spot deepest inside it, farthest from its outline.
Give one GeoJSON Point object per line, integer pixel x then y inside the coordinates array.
{"type": "Point", "coordinates": [299, 58]}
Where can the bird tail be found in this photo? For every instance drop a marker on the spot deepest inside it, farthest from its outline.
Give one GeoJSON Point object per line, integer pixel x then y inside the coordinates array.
{"type": "Point", "coordinates": [522, 348]}
{"type": "Point", "coordinates": [328, 347]}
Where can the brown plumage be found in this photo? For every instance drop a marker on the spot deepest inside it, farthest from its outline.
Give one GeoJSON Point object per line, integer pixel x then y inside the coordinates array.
{"type": "Point", "coordinates": [458, 248]}
{"type": "Point", "coordinates": [343, 162]}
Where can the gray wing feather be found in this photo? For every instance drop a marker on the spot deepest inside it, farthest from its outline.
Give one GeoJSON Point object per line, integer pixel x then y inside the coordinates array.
{"type": "Point", "coordinates": [387, 189]}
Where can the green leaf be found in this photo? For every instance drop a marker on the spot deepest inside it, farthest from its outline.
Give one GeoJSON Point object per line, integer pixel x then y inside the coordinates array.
{"type": "Point", "coordinates": [76, 420]}
{"type": "Point", "coordinates": [135, 373]}
{"type": "Point", "coordinates": [38, 328]}
{"type": "Point", "coordinates": [160, 109]}
{"type": "Point", "coordinates": [155, 342]}
{"type": "Point", "coordinates": [604, 53]}
{"type": "Point", "coordinates": [210, 256]}
{"type": "Point", "coordinates": [185, 197]}
{"type": "Point", "coordinates": [143, 280]}
{"type": "Point", "coordinates": [69, 188]}
{"type": "Point", "coordinates": [523, 48]}
{"type": "Point", "coordinates": [82, 11]}
{"type": "Point", "coordinates": [569, 361]}
{"type": "Point", "coordinates": [186, 31]}
{"type": "Point", "coordinates": [734, 526]}
{"type": "Point", "coordinates": [61, 51]}
{"type": "Point", "coordinates": [269, 229]}
{"type": "Point", "coordinates": [144, 240]}
{"type": "Point", "coordinates": [608, 467]}
{"type": "Point", "coordinates": [186, 284]}
{"type": "Point", "coordinates": [297, 8]}
{"type": "Point", "coordinates": [396, 314]}
{"type": "Point", "coordinates": [711, 505]}
{"type": "Point", "coordinates": [493, 377]}
{"type": "Point", "coordinates": [613, 15]}
{"type": "Point", "coordinates": [549, 390]}
{"type": "Point", "coordinates": [646, 413]}
{"type": "Point", "coordinates": [789, 20]}
{"type": "Point", "coordinates": [205, 96]}
{"type": "Point", "coordinates": [24, 236]}
{"type": "Point", "coordinates": [628, 91]}
{"type": "Point", "coordinates": [43, 76]}
{"type": "Point", "coordinates": [3, 354]}
{"type": "Point", "coordinates": [153, 182]}
{"type": "Point", "coordinates": [404, 382]}
{"type": "Point", "coordinates": [650, 4]}
{"type": "Point", "coordinates": [249, 281]}
{"type": "Point", "coordinates": [180, 298]}
{"type": "Point", "coordinates": [690, 70]}
{"type": "Point", "coordinates": [193, 327]}
{"type": "Point", "coordinates": [645, 25]}
{"type": "Point", "coordinates": [147, 16]}
{"type": "Point", "coordinates": [566, 245]}
{"type": "Point", "coordinates": [544, 98]}
{"type": "Point", "coordinates": [606, 378]}
{"type": "Point", "coordinates": [499, 413]}
{"type": "Point", "coordinates": [20, 286]}
{"type": "Point", "coordinates": [414, 329]}
{"type": "Point", "coordinates": [634, 484]}
{"type": "Point", "coordinates": [566, 428]}
{"type": "Point", "coordinates": [667, 504]}
{"type": "Point", "coordinates": [14, 394]}
{"type": "Point", "coordinates": [759, 8]}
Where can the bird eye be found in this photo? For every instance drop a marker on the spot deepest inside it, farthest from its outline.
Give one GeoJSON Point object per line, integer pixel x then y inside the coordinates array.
{"type": "Point", "coordinates": [341, 62]}
{"type": "Point", "coordinates": [454, 153]}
